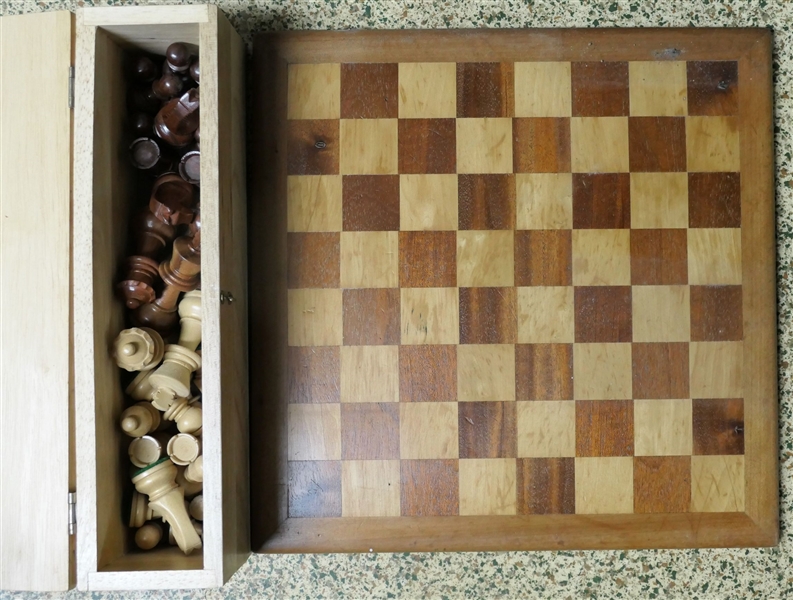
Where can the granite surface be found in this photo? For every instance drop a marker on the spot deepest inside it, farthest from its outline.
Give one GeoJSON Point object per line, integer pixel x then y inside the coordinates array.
{"type": "Point", "coordinates": [696, 574]}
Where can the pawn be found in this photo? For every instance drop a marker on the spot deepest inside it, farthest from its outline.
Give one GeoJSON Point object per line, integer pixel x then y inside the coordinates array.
{"type": "Point", "coordinates": [195, 70]}
{"type": "Point", "coordinates": [138, 349]}
{"type": "Point", "coordinates": [190, 167]}
{"type": "Point", "coordinates": [143, 69]}
{"type": "Point", "coordinates": [177, 57]}
{"type": "Point", "coordinates": [142, 124]}
{"type": "Point", "coordinates": [165, 496]}
{"type": "Point", "coordinates": [197, 507]}
{"type": "Point", "coordinates": [147, 155]}
{"type": "Point", "coordinates": [138, 285]}
{"type": "Point", "coordinates": [141, 388]}
{"type": "Point", "coordinates": [148, 536]}
{"type": "Point", "coordinates": [167, 86]}
{"type": "Point", "coordinates": [194, 472]}
{"type": "Point", "coordinates": [147, 450]}
{"type": "Point", "coordinates": [191, 488]}
{"type": "Point", "coordinates": [177, 121]}
{"type": "Point", "coordinates": [172, 200]}
{"type": "Point", "coordinates": [190, 322]}
{"type": "Point", "coordinates": [140, 419]}
{"type": "Point", "coordinates": [188, 417]}
{"type": "Point", "coordinates": [183, 449]}
{"type": "Point", "coordinates": [174, 373]}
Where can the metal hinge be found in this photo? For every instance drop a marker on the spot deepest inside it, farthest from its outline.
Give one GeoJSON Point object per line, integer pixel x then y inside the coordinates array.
{"type": "Point", "coordinates": [71, 86]}
{"type": "Point", "coordinates": [72, 512]}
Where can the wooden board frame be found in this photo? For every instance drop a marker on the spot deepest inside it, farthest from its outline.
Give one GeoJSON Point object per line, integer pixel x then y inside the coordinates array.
{"type": "Point", "coordinates": [272, 531]}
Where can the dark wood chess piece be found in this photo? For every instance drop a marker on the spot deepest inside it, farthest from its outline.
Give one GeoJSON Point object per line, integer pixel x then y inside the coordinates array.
{"type": "Point", "coordinates": [146, 154]}
{"type": "Point", "coordinates": [142, 124]}
{"type": "Point", "coordinates": [178, 119]}
{"type": "Point", "coordinates": [151, 234]}
{"type": "Point", "coordinates": [195, 70]}
{"type": "Point", "coordinates": [143, 99]}
{"type": "Point", "coordinates": [143, 69]}
{"type": "Point", "coordinates": [197, 137]}
{"type": "Point", "coordinates": [172, 199]}
{"type": "Point", "coordinates": [168, 85]}
{"type": "Point", "coordinates": [138, 286]}
{"type": "Point", "coordinates": [190, 167]}
{"type": "Point", "coordinates": [177, 57]}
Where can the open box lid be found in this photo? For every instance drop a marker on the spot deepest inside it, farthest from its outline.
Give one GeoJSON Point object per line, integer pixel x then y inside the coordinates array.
{"type": "Point", "coordinates": [36, 468]}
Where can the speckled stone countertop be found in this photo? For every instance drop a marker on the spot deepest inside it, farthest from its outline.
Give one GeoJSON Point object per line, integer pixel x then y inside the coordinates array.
{"type": "Point", "coordinates": [696, 574]}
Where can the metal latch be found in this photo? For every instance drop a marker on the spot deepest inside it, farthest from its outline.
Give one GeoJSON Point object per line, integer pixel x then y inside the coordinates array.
{"type": "Point", "coordinates": [72, 512]}
{"type": "Point", "coordinates": [71, 86]}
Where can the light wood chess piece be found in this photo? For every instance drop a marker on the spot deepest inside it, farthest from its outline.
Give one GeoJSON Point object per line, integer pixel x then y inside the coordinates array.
{"type": "Point", "coordinates": [140, 511]}
{"type": "Point", "coordinates": [141, 388]}
{"type": "Point", "coordinates": [190, 313]}
{"type": "Point", "coordinates": [140, 419]}
{"type": "Point", "coordinates": [199, 527]}
{"type": "Point", "coordinates": [183, 448]}
{"type": "Point", "coordinates": [165, 496]}
{"type": "Point", "coordinates": [138, 349]}
{"type": "Point", "coordinates": [148, 449]}
{"type": "Point", "coordinates": [194, 472]}
{"type": "Point", "coordinates": [191, 488]}
{"type": "Point", "coordinates": [197, 507]}
{"type": "Point", "coordinates": [174, 373]}
{"type": "Point", "coordinates": [148, 536]}
{"type": "Point", "coordinates": [188, 417]}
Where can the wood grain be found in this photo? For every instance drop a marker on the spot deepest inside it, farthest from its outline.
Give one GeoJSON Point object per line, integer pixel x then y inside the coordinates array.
{"type": "Point", "coordinates": [427, 259]}
{"type": "Point", "coordinates": [715, 256]}
{"type": "Point", "coordinates": [488, 316]}
{"type": "Point", "coordinates": [659, 257]}
{"type": "Point", "coordinates": [487, 486]}
{"type": "Point", "coordinates": [603, 428]}
{"type": "Point", "coordinates": [714, 199]}
{"type": "Point", "coordinates": [370, 488]}
{"type": "Point", "coordinates": [313, 260]}
{"type": "Point", "coordinates": [600, 89]}
{"type": "Point", "coordinates": [428, 430]}
{"type": "Point", "coordinates": [712, 87]}
{"type": "Point", "coordinates": [427, 146]}
{"type": "Point", "coordinates": [369, 91]}
{"type": "Point", "coordinates": [541, 145]}
{"type": "Point", "coordinates": [313, 375]}
{"type": "Point", "coordinates": [603, 485]}
{"type": "Point", "coordinates": [485, 90]}
{"type": "Point", "coordinates": [661, 313]}
{"type": "Point", "coordinates": [601, 201]}
{"type": "Point", "coordinates": [369, 374]}
{"type": "Point", "coordinates": [602, 371]}
{"type": "Point", "coordinates": [716, 313]}
{"type": "Point", "coordinates": [544, 372]}
{"type": "Point", "coordinates": [485, 372]}
{"type": "Point", "coordinates": [368, 147]}
{"type": "Point", "coordinates": [661, 484]}
{"type": "Point", "coordinates": [371, 316]}
{"type": "Point", "coordinates": [486, 202]}
{"type": "Point", "coordinates": [603, 314]}
{"type": "Point", "coordinates": [712, 144]}
{"type": "Point", "coordinates": [718, 483]}
{"type": "Point", "coordinates": [314, 488]}
{"type": "Point", "coordinates": [546, 486]}
{"type": "Point", "coordinates": [546, 429]}
{"type": "Point", "coordinates": [718, 426]}
{"type": "Point", "coordinates": [427, 373]}
{"type": "Point", "coordinates": [658, 88]}
{"type": "Point", "coordinates": [369, 431]}
{"type": "Point", "coordinates": [487, 430]}
{"type": "Point", "coordinates": [657, 144]}
{"type": "Point", "coordinates": [313, 147]}
{"type": "Point", "coordinates": [543, 257]}
{"type": "Point", "coordinates": [660, 370]}
{"type": "Point", "coordinates": [430, 488]}
{"type": "Point", "coordinates": [370, 202]}
{"type": "Point", "coordinates": [663, 427]}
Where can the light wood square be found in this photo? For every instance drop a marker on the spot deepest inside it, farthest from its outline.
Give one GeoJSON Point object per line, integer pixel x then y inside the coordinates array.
{"type": "Point", "coordinates": [658, 89]}
{"type": "Point", "coordinates": [543, 89]}
{"type": "Point", "coordinates": [716, 369]}
{"type": "Point", "coordinates": [717, 484]}
{"type": "Point", "coordinates": [601, 257]}
{"type": "Point", "coordinates": [486, 372]}
{"type": "Point", "coordinates": [487, 486]}
{"type": "Point", "coordinates": [430, 316]}
{"type": "Point", "coordinates": [369, 259]}
{"type": "Point", "coordinates": [314, 91]}
{"type": "Point", "coordinates": [662, 427]}
{"type": "Point", "coordinates": [661, 313]}
{"type": "Point", "coordinates": [659, 200]}
{"type": "Point", "coordinates": [546, 315]}
{"type": "Point", "coordinates": [314, 317]}
{"type": "Point", "coordinates": [599, 144]}
{"type": "Point", "coordinates": [484, 145]}
{"type": "Point", "coordinates": [370, 374]}
{"type": "Point", "coordinates": [368, 147]}
{"type": "Point", "coordinates": [427, 90]}
{"type": "Point", "coordinates": [313, 203]}
{"type": "Point", "coordinates": [714, 257]}
{"type": "Point", "coordinates": [544, 200]}
{"type": "Point", "coordinates": [428, 202]}
{"type": "Point", "coordinates": [485, 258]}
{"type": "Point", "coordinates": [604, 485]}
{"type": "Point", "coordinates": [370, 488]}
{"type": "Point", "coordinates": [602, 372]}
{"type": "Point", "coordinates": [314, 432]}
{"type": "Point", "coordinates": [712, 144]}
{"type": "Point", "coordinates": [546, 429]}
{"type": "Point", "coordinates": [428, 430]}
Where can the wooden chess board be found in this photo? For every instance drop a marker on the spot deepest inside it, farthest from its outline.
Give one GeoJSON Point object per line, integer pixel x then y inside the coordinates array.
{"type": "Point", "coordinates": [525, 290]}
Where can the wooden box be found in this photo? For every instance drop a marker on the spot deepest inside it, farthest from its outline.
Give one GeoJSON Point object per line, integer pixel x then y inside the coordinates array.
{"type": "Point", "coordinates": [66, 199]}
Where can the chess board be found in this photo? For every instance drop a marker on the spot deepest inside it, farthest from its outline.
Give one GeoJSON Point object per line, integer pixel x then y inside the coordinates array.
{"type": "Point", "coordinates": [518, 288]}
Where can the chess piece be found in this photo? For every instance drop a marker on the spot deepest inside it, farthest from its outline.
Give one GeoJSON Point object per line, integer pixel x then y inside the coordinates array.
{"type": "Point", "coordinates": [191, 488]}
{"type": "Point", "coordinates": [140, 419]}
{"type": "Point", "coordinates": [177, 121]}
{"type": "Point", "coordinates": [163, 398]}
{"type": "Point", "coordinates": [174, 373]}
{"type": "Point", "coordinates": [183, 448]}
{"type": "Point", "coordinates": [143, 69]}
{"type": "Point", "coordinates": [194, 472]}
{"type": "Point", "coordinates": [184, 269]}
{"type": "Point", "coordinates": [141, 511]}
{"type": "Point", "coordinates": [142, 124]}
{"type": "Point", "coordinates": [172, 200]}
{"type": "Point", "coordinates": [143, 99]}
{"type": "Point", "coordinates": [148, 536]}
{"type": "Point", "coordinates": [197, 378]}
{"type": "Point", "coordinates": [199, 528]}
{"type": "Point", "coordinates": [197, 507]}
{"type": "Point", "coordinates": [152, 233]}
{"type": "Point", "coordinates": [147, 155]}
{"type": "Point", "coordinates": [195, 70]}
{"type": "Point", "coordinates": [147, 449]}
{"type": "Point", "coordinates": [197, 137]}
{"type": "Point", "coordinates": [190, 322]}
{"type": "Point", "coordinates": [190, 167]}
{"type": "Point", "coordinates": [138, 349]}
{"type": "Point", "coordinates": [138, 285]}
{"type": "Point", "coordinates": [168, 85]}
{"type": "Point", "coordinates": [141, 388]}
{"type": "Point", "coordinates": [165, 496]}
{"type": "Point", "coordinates": [177, 57]}
{"type": "Point", "coordinates": [188, 417]}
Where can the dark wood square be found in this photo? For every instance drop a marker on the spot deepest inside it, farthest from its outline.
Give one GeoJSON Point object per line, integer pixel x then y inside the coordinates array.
{"type": "Point", "coordinates": [604, 428]}
{"type": "Point", "coordinates": [659, 257]}
{"type": "Point", "coordinates": [312, 260]}
{"type": "Point", "coordinates": [603, 314]}
{"type": "Point", "coordinates": [544, 257]}
{"type": "Point", "coordinates": [314, 488]}
{"type": "Point", "coordinates": [369, 431]}
{"type": "Point", "coordinates": [601, 200]}
{"type": "Point", "coordinates": [427, 373]}
{"type": "Point", "coordinates": [486, 201]}
{"type": "Point", "coordinates": [427, 259]}
{"type": "Point", "coordinates": [371, 317]}
{"type": "Point", "coordinates": [546, 486]}
{"type": "Point", "coordinates": [661, 484]}
{"type": "Point", "coordinates": [657, 144]}
{"type": "Point", "coordinates": [712, 87]}
{"type": "Point", "coordinates": [369, 91]}
{"type": "Point", "coordinates": [312, 147]}
{"type": "Point", "coordinates": [716, 313]}
{"type": "Point", "coordinates": [600, 89]}
{"type": "Point", "coordinates": [429, 488]}
{"type": "Point", "coordinates": [660, 370]}
{"type": "Point", "coordinates": [544, 372]}
{"type": "Point", "coordinates": [427, 146]}
{"type": "Point", "coordinates": [485, 90]}
{"type": "Point", "coordinates": [488, 316]}
{"type": "Point", "coordinates": [714, 199]}
{"type": "Point", "coordinates": [718, 426]}
{"type": "Point", "coordinates": [370, 202]}
{"type": "Point", "coordinates": [313, 374]}
{"type": "Point", "coordinates": [541, 145]}
{"type": "Point", "coordinates": [487, 429]}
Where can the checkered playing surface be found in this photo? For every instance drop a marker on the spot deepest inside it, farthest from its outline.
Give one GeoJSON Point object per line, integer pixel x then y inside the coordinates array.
{"type": "Point", "coordinates": [514, 289]}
